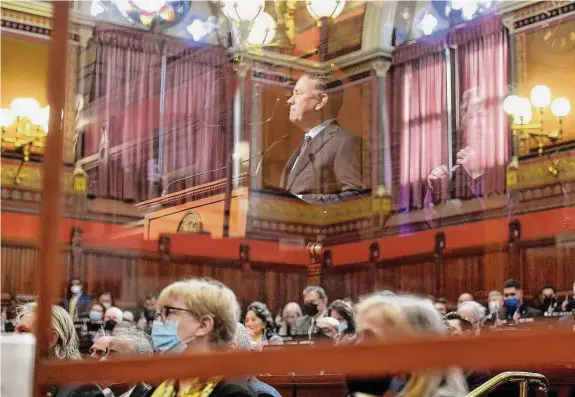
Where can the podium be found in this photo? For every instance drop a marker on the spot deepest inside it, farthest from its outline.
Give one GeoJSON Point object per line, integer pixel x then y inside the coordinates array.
{"type": "Point", "coordinates": [266, 213]}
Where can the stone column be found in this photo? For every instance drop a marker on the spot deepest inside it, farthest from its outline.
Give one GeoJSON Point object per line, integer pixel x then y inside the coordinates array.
{"type": "Point", "coordinates": [242, 69]}
{"type": "Point", "coordinates": [382, 139]}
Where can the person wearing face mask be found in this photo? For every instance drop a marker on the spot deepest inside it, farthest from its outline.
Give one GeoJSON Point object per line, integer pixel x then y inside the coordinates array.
{"type": "Point", "coordinates": [314, 308]}
{"type": "Point", "coordinates": [496, 309]}
{"type": "Point", "coordinates": [548, 300]}
{"type": "Point", "coordinates": [515, 308]}
{"type": "Point", "coordinates": [77, 303]}
{"type": "Point", "coordinates": [106, 300]}
{"type": "Point", "coordinates": [344, 313]}
{"type": "Point", "coordinates": [568, 305]}
{"type": "Point", "coordinates": [112, 320]}
{"type": "Point", "coordinates": [196, 315]}
{"type": "Point", "coordinates": [472, 312]}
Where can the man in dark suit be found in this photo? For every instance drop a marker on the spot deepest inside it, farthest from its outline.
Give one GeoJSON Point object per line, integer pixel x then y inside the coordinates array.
{"type": "Point", "coordinates": [326, 166]}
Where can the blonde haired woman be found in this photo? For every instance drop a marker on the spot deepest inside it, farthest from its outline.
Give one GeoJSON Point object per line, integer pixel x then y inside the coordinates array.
{"type": "Point", "coordinates": [384, 316]}
{"type": "Point", "coordinates": [197, 315]}
{"type": "Point", "coordinates": [63, 337]}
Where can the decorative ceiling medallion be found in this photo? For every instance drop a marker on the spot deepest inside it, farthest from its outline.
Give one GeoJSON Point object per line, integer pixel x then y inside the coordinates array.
{"type": "Point", "coordinates": [191, 223]}
{"type": "Point", "coordinates": [145, 12]}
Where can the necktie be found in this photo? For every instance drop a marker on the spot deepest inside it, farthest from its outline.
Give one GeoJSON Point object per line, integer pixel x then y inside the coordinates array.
{"type": "Point", "coordinates": [305, 144]}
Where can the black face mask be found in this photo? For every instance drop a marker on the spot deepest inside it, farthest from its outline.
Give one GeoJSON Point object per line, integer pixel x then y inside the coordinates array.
{"type": "Point", "coordinates": [109, 325]}
{"type": "Point", "coordinates": [374, 387]}
{"type": "Point", "coordinates": [548, 300]}
{"type": "Point", "coordinates": [310, 309]}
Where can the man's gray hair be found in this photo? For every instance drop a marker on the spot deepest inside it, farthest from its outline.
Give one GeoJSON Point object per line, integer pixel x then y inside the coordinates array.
{"type": "Point", "coordinates": [140, 340]}
{"type": "Point", "coordinates": [477, 309]}
{"type": "Point", "coordinates": [314, 288]}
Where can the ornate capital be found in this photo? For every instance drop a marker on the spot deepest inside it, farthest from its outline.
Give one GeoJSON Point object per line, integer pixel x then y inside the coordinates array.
{"type": "Point", "coordinates": [380, 67]}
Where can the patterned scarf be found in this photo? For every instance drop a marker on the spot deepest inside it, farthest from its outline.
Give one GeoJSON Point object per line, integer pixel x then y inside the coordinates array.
{"type": "Point", "coordinates": [199, 388]}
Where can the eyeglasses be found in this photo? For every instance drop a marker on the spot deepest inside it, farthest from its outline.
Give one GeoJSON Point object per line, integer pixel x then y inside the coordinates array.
{"type": "Point", "coordinates": [163, 314]}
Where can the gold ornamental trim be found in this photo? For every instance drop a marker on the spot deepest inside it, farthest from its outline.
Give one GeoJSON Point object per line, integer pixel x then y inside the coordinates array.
{"type": "Point", "coordinates": [31, 179]}
{"type": "Point", "coordinates": [276, 209]}
{"type": "Point", "coordinates": [538, 173]}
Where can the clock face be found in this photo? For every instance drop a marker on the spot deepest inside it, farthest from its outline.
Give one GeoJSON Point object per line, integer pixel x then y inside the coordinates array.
{"type": "Point", "coordinates": [559, 38]}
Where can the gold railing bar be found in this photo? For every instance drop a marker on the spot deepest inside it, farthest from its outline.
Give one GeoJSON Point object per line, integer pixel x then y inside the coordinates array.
{"type": "Point", "coordinates": [48, 268]}
{"type": "Point", "coordinates": [361, 360]}
{"type": "Point", "coordinates": [505, 377]}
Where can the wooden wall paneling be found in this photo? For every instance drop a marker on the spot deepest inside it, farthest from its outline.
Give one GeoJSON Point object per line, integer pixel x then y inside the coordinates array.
{"type": "Point", "coordinates": [566, 265]}
{"type": "Point", "coordinates": [418, 278]}
{"type": "Point", "coordinates": [18, 263]}
{"type": "Point", "coordinates": [548, 264]}
{"type": "Point", "coordinates": [495, 270]}
{"type": "Point", "coordinates": [388, 277]}
{"type": "Point", "coordinates": [462, 274]}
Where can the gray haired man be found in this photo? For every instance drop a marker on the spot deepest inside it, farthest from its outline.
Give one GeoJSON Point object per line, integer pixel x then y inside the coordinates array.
{"type": "Point", "coordinates": [124, 342]}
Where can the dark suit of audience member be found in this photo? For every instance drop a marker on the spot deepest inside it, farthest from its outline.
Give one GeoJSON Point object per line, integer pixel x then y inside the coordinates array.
{"type": "Point", "coordinates": [326, 166]}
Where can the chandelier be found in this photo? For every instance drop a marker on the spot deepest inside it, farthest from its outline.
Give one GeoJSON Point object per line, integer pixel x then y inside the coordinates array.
{"type": "Point", "coordinates": [24, 129]}
{"type": "Point", "coordinates": [521, 111]}
{"type": "Point", "coordinates": [257, 28]}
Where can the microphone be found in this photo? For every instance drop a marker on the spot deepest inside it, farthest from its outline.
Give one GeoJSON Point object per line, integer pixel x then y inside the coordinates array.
{"type": "Point", "coordinates": [270, 147]}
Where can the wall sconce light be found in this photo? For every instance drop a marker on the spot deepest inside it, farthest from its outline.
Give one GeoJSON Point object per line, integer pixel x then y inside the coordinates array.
{"type": "Point", "coordinates": [24, 129]}
{"type": "Point", "coordinates": [520, 109]}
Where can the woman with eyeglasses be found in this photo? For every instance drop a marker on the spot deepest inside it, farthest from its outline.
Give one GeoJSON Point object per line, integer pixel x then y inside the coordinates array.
{"type": "Point", "coordinates": [196, 315]}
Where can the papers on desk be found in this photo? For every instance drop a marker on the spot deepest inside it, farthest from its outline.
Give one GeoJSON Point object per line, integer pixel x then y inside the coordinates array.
{"type": "Point", "coordinates": [17, 364]}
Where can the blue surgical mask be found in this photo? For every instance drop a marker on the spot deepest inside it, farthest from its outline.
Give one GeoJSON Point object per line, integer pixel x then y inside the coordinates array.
{"type": "Point", "coordinates": [342, 326]}
{"type": "Point", "coordinates": [95, 316]}
{"type": "Point", "coordinates": [165, 337]}
{"type": "Point", "coordinates": [512, 303]}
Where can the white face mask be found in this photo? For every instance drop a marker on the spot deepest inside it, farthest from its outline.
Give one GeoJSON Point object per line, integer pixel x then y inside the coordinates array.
{"type": "Point", "coordinates": [107, 305]}
{"type": "Point", "coordinates": [76, 289]}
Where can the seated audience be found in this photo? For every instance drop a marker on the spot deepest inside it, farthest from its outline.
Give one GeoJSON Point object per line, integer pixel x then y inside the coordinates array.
{"type": "Point", "coordinates": [395, 316]}
{"type": "Point", "coordinates": [63, 338]}
{"type": "Point", "coordinates": [96, 312]}
{"type": "Point", "coordinates": [243, 341]}
{"type": "Point", "coordinates": [329, 327]}
{"type": "Point", "coordinates": [127, 319]}
{"type": "Point", "coordinates": [465, 297]}
{"type": "Point", "coordinates": [147, 312]}
{"type": "Point", "coordinates": [515, 309]}
{"type": "Point", "coordinates": [315, 307]}
{"type": "Point", "coordinates": [106, 300]}
{"type": "Point", "coordinates": [548, 300]}
{"type": "Point", "coordinates": [457, 325]}
{"type": "Point", "coordinates": [260, 324]}
{"type": "Point", "coordinates": [569, 304]}
{"type": "Point", "coordinates": [127, 342]}
{"type": "Point", "coordinates": [495, 308]}
{"type": "Point", "coordinates": [343, 312]}
{"type": "Point", "coordinates": [99, 348]}
{"type": "Point", "coordinates": [287, 322]}
{"type": "Point", "coordinates": [77, 303]}
{"type": "Point", "coordinates": [196, 315]}
{"type": "Point", "coordinates": [441, 305]}
{"type": "Point", "coordinates": [473, 313]}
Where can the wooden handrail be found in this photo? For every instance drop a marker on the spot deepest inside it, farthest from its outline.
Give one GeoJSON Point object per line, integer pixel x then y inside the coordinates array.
{"type": "Point", "coordinates": [401, 356]}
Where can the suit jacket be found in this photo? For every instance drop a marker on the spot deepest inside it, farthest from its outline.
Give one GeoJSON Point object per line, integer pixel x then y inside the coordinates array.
{"type": "Point", "coordinates": [82, 306]}
{"type": "Point", "coordinates": [262, 389]}
{"type": "Point", "coordinates": [328, 170]}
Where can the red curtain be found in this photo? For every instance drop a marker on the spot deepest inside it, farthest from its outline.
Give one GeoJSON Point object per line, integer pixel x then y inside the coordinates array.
{"type": "Point", "coordinates": [123, 113]}
{"type": "Point", "coordinates": [482, 66]}
{"type": "Point", "coordinates": [123, 116]}
{"type": "Point", "coordinates": [198, 122]}
{"type": "Point", "coordinates": [419, 125]}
